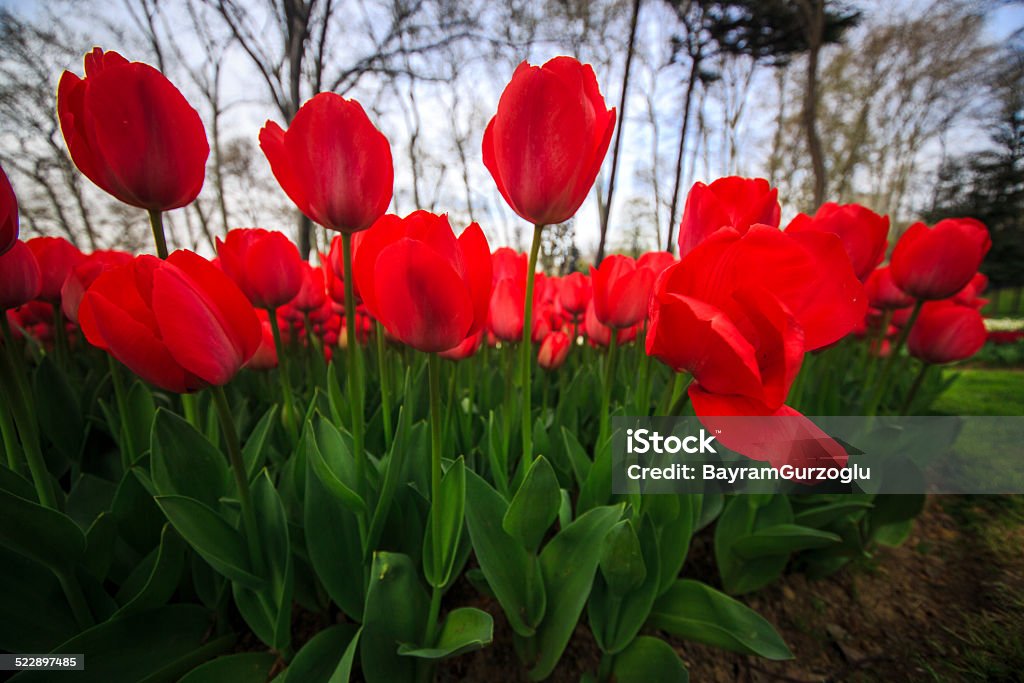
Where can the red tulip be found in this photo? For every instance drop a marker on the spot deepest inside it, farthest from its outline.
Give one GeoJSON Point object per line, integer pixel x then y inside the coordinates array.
{"type": "Point", "coordinates": [181, 324]}
{"type": "Point", "coordinates": [945, 332]}
{"type": "Point", "coordinates": [656, 261]}
{"type": "Point", "coordinates": [545, 145]}
{"type": "Point", "coordinates": [733, 202]}
{"type": "Point", "coordinates": [332, 162]}
{"type": "Point", "coordinates": [970, 295]}
{"type": "Point", "coordinates": [82, 277]}
{"type": "Point", "coordinates": [20, 278]}
{"type": "Point", "coordinates": [505, 310]}
{"type": "Point", "coordinates": [313, 294]}
{"type": "Point", "coordinates": [740, 310]}
{"type": "Point", "coordinates": [936, 263]}
{"type": "Point", "coordinates": [57, 258]}
{"type": "Point", "coordinates": [130, 131]}
{"type": "Point", "coordinates": [8, 214]}
{"type": "Point", "coordinates": [863, 232]}
{"type": "Point", "coordinates": [599, 334]}
{"type": "Point", "coordinates": [429, 289]}
{"type": "Point", "coordinates": [882, 291]}
{"type": "Point", "coordinates": [264, 264]}
{"type": "Point", "coordinates": [554, 350]}
{"type": "Point", "coordinates": [575, 293]}
{"type": "Point", "coordinates": [265, 357]}
{"type": "Point", "coordinates": [621, 291]}
{"type": "Point", "coordinates": [466, 349]}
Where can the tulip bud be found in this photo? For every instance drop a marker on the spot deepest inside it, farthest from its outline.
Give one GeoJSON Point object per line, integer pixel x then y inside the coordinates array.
{"type": "Point", "coordinates": [936, 263]}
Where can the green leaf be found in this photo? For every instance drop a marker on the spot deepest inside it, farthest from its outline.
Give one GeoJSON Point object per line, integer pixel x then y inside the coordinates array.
{"type": "Point", "coordinates": [451, 507]}
{"type": "Point", "coordinates": [27, 585]}
{"type": "Point", "coordinates": [393, 465]}
{"type": "Point", "coordinates": [60, 416]}
{"type": "Point", "coordinates": [138, 418]}
{"type": "Point", "coordinates": [821, 515]}
{"type": "Point", "coordinates": [742, 516]}
{"type": "Point", "coordinates": [184, 463]}
{"type": "Point", "coordinates": [12, 482]}
{"type": "Point", "coordinates": [511, 572]}
{"type": "Point", "coordinates": [254, 451]}
{"type": "Point", "coordinates": [674, 536]}
{"type": "Point", "coordinates": [697, 612]}
{"type": "Point", "coordinates": [343, 673]}
{"type": "Point", "coordinates": [465, 629]}
{"type": "Point", "coordinates": [568, 564]}
{"type": "Point", "coordinates": [330, 457]}
{"type": "Point", "coordinates": [649, 660]}
{"type": "Point", "coordinates": [622, 563]}
{"type": "Point", "coordinates": [99, 545]}
{"type": "Point", "coordinates": [149, 647]}
{"type": "Point", "coordinates": [578, 457]}
{"type": "Point", "coordinates": [781, 539]}
{"type": "Point", "coordinates": [319, 659]}
{"type": "Point", "coordinates": [396, 611]}
{"type": "Point", "coordinates": [244, 667]}
{"type": "Point", "coordinates": [212, 537]}
{"type": "Point", "coordinates": [44, 535]}
{"type": "Point", "coordinates": [157, 584]}
{"type": "Point", "coordinates": [332, 540]}
{"type": "Point", "coordinates": [534, 506]}
{"type": "Point", "coordinates": [139, 519]}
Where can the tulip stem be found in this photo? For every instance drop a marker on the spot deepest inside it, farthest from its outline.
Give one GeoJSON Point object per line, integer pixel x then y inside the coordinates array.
{"type": "Point", "coordinates": [227, 423]}
{"type": "Point", "coordinates": [60, 338]}
{"type": "Point", "coordinates": [434, 372]}
{"type": "Point", "coordinates": [526, 352]}
{"type": "Point", "coordinates": [385, 384]}
{"type": "Point", "coordinates": [156, 222]}
{"type": "Point", "coordinates": [284, 377]}
{"type": "Point", "coordinates": [914, 388]}
{"type": "Point", "coordinates": [10, 437]}
{"type": "Point", "coordinates": [354, 372]}
{"type": "Point", "coordinates": [609, 379]}
{"type": "Point", "coordinates": [883, 380]}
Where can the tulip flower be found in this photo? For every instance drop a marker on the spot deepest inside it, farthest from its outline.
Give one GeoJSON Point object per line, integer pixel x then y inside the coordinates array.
{"type": "Point", "coordinates": [8, 214]}
{"type": "Point", "coordinates": [20, 279]}
{"type": "Point", "coordinates": [575, 293]}
{"type": "Point", "coordinates": [57, 258]}
{"type": "Point", "coordinates": [655, 261]}
{"type": "Point", "coordinates": [505, 311]}
{"type": "Point", "coordinates": [945, 332]}
{"type": "Point", "coordinates": [466, 349]}
{"type": "Point", "coordinates": [546, 143]}
{"type": "Point", "coordinates": [265, 357]}
{"type": "Point", "coordinates": [264, 264]}
{"type": "Point", "coordinates": [740, 310]}
{"type": "Point", "coordinates": [554, 350]}
{"type": "Point", "coordinates": [332, 163]}
{"type": "Point", "coordinates": [427, 287]}
{"type": "Point", "coordinates": [312, 294]}
{"type": "Point", "coordinates": [181, 324]}
{"type": "Point", "coordinates": [599, 334]}
{"type": "Point", "coordinates": [862, 231]}
{"type": "Point", "coordinates": [621, 291]}
{"type": "Point", "coordinates": [970, 295]}
{"type": "Point", "coordinates": [130, 131]}
{"type": "Point", "coordinates": [936, 263]}
{"type": "Point", "coordinates": [82, 277]}
{"type": "Point", "coordinates": [882, 291]}
{"type": "Point", "coordinates": [732, 202]}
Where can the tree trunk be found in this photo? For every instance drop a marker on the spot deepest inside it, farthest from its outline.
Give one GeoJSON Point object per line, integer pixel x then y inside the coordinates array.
{"type": "Point", "coordinates": [815, 28]}
{"type": "Point", "coordinates": [691, 82]}
{"type": "Point", "coordinates": [618, 133]}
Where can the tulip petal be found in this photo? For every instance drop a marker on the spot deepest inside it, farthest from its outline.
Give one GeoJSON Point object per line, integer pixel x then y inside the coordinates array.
{"type": "Point", "coordinates": [477, 257]}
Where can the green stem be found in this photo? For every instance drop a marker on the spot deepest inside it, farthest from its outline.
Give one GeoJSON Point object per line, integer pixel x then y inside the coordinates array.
{"type": "Point", "coordinates": [883, 380]}
{"type": "Point", "coordinates": [434, 372]}
{"type": "Point", "coordinates": [156, 222]}
{"type": "Point", "coordinates": [914, 388]}
{"type": "Point", "coordinates": [128, 451]}
{"type": "Point", "coordinates": [526, 351]}
{"type": "Point", "coordinates": [79, 606]}
{"type": "Point", "coordinates": [60, 338]}
{"type": "Point", "coordinates": [354, 377]}
{"type": "Point", "coordinates": [284, 377]}
{"type": "Point", "coordinates": [10, 437]}
{"type": "Point", "coordinates": [609, 379]}
{"type": "Point", "coordinates": [385, 385]}
{"type": "Point", "coordinates": [227, 423]}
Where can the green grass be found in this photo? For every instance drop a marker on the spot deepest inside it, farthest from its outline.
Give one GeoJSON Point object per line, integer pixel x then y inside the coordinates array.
{"type": "Point", "coordinates": [984, 392]}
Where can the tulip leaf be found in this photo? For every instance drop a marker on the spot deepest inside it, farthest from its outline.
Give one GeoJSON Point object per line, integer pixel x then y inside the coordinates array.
{"type": "Point", "coordinates": [781, 539]}
{"type": "Point", "coordinates": [622, 562]}
{"type": "Point", "coordinates": [393, 464]}
{"type": "Point", "coordinates": [396, 611]}
{"type": "Point", "coordinates": [319, 660]}
{"type": "Point", "coordinates": [742, 516]}
{"type": "Point", "coordinates": [451, 508]}
{"type": "Point", "coordinates": [184, 463]}
{"type": "Point", "coordinates": [161, 644]}
{"type": "Point", "coordinates": [26, 585]}
{"type": "Point", "coordinates": [139, 519]}
{"type": "Point", "coordinates": [697, 612]}
{"type": "Point", "coordinates": [534, 506]}
{"type": "Point", "coordinates": [465, 629]}
{"type": "Point", "coordinates": [674, 535]}
{"type": "Point", "coordinates": [244, 667]}
{"type": "Point", "coordinates": [99, 545]}
{"type": "Point", "coordinates": [331, 461]}
{"type": "Point", "coordinates": [511, 572]}
{"type": "Point", "coordinates": [42, 534]}
{"type": "Point", "coordinates": [822, 515]}
{"type": "Point", "coordinates": [649, 660]}
{"type": "Point", "coordinates": [568, 564]}
{"type": "Point", "coordinates": [60, 415]}
{"type": "Point", "coordinates": [12, 482]}
{"type": "Point", "coordinates": [254, 452]}
{"type": "Point", "coordinates": [211, 536]}
{"type": "Point", "coordinates": [138, 419]}
{"type": "Point", "coordinates": [155, 586]}
{"type": "Point", "coordinates": [578, 457]}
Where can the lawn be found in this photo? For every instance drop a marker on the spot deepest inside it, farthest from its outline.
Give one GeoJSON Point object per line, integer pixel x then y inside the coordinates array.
{"type": "Point", "coordinates": [979, 391]}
